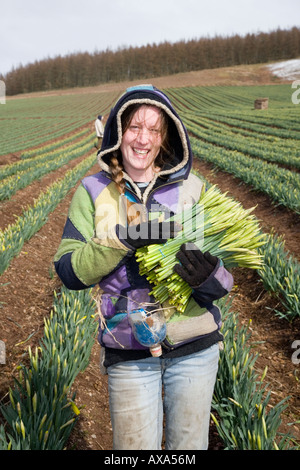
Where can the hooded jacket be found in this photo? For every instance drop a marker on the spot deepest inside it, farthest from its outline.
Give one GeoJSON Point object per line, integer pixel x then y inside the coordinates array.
{"type": "Point", "coordinates": [91, 252]}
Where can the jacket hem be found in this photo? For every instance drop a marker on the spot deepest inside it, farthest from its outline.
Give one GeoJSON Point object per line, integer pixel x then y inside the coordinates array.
{"type": "Point", "coordinates": [114, 356]}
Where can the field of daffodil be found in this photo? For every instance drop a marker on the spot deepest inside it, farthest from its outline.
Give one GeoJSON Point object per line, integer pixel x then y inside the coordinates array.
{"type": "Point", "coordinates": [261, 148]}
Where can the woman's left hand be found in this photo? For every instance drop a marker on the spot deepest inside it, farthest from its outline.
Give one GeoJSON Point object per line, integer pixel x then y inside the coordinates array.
{"type": "Point", "coordinates": [195, 267]}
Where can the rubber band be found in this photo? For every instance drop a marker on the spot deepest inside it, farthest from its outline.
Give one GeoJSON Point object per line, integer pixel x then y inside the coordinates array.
{"type": "Point", "coordinates": [163, 255]}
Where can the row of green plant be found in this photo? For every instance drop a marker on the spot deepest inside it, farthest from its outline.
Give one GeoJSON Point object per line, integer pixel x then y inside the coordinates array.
{"type": "Point", "coordinates": [242, 410]}
{"type": "Point", "coordinates": [34, 217]}
{"type": "Point", "coordinates": [281, 152]}
{"type": "Point", "coordinates": [43, 154]}
{"type": "Point", "coordinates": [277, 127]}
{"type": "Point", "coordinates": [29, 122]}
{"type": "Point", "coordinates": [22, 133]}
{"type": "Point", "coordinates": [57, 159]}
{"type": "Point", "coordinates": [41, 411]}
{"type": "Point", "coordinates": [283, 119]}
{"type": "Point", "coordinates": [281, 274]}
{"type": "Point", "coordinates": [206, 97]}
{"type": "Point", "coordinates": [52, 146]}
{"type": "Point", "coordinates": [258, 132]}
{"type": "Point", "coordinates": [280, 184]}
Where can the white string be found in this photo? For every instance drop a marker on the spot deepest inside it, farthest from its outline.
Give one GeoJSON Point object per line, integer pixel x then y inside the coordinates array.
{"type": "Point", "coordinates": [103, 323]}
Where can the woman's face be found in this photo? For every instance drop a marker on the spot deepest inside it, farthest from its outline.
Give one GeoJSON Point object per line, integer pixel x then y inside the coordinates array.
{"type": "Point", "coordinates": [141, 143]}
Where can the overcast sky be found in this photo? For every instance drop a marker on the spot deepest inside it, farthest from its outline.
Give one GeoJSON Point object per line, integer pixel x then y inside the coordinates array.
{"type": "Point", "coordinates": [36, 29]}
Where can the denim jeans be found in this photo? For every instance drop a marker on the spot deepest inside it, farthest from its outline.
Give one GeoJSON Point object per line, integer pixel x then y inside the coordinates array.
{"type": "Point", "coordinates": [140, 392]}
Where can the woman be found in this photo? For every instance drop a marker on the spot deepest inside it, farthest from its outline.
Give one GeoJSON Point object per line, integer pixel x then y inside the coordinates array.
{"type": "Point", "coordinates": [99, 130]}
{"type": "Point", "coordinates": [145, 177]}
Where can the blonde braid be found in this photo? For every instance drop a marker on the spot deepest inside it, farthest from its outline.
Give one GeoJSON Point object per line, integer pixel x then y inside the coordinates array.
{"type": "Point", "coordinates": [117, 176]}
{"type": "Point", "coordinates": [116, 170]}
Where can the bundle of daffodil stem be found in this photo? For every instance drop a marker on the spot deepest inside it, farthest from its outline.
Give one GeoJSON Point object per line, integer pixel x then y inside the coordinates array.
{"type": "Point", "coordinates": [218, 224]}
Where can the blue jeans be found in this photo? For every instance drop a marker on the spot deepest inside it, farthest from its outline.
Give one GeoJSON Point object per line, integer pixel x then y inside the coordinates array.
{"type": "Point", "coordinates": [137, 403]}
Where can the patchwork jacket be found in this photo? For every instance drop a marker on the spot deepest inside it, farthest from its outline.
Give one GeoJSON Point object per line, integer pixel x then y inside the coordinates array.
{"type": "Point", "coordinates": [91, 253]}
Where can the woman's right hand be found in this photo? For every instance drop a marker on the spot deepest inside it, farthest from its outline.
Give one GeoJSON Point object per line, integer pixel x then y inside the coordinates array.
{"type": "Point", "coordinates": [148, 233]}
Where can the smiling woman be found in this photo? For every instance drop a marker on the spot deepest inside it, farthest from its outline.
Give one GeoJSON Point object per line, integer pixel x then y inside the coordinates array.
{"type": "Point", "coordinates": [141, 143]}
{"type": "Point", "coordinates": [145, 162]}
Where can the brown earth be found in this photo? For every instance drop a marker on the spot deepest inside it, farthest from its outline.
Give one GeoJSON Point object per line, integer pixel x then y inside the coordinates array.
{"type": "Point", "coordinates": [27, 292]}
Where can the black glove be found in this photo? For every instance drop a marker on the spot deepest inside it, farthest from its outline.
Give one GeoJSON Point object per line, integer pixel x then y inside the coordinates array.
{"type": "Point", "coordinates": [195, 266]}
{"type": "Point", "coordinates": [148, 233]}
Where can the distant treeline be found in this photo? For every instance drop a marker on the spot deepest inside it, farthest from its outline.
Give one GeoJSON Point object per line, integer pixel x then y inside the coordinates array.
{"type": "Point", "coordinates": [86, 69]}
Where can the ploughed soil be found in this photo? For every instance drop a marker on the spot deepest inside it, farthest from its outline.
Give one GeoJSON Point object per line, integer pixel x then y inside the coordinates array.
{"type": "Point", "coordinates": [26, 295]}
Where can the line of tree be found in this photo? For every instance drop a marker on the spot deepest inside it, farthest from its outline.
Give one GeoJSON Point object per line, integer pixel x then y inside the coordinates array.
{"type": "Point", "coordinates": [131, 63]}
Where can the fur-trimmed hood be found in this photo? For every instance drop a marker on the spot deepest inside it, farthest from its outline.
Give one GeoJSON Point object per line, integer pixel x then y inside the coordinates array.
{"type": "Point", "coordinates": [180, 167]}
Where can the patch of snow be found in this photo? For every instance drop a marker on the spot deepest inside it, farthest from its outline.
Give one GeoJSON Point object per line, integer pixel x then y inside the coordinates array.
{"type": "Point", "coordinates": [288, 69]}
